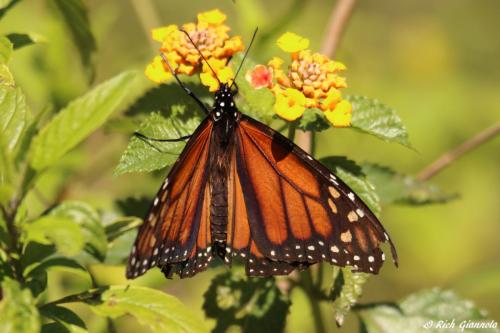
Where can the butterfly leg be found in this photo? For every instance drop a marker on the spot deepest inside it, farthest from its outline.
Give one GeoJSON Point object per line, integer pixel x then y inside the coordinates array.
{"type": "Point", "coordinates": [144, 137]}
{"type": "Point", "coordinates": [148, 140]}
{"type": "Point", "coordinates": [186, 89]}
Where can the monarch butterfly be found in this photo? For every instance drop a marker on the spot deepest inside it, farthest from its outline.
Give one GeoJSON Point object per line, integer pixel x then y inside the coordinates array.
{"type": "Point", "coordinates": [241, 190]}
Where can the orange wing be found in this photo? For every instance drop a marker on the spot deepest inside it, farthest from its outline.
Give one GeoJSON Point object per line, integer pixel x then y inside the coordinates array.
{"type": "Point", "coordinates": [290, 211]}
{"type": "Point", "coordinates": [176, 232]}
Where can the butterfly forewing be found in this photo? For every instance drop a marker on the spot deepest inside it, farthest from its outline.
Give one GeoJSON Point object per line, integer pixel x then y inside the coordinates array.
{"type": "Point", "coordinates": [174, 231]}
{"type": "Point", "coordinates": [299, 212]}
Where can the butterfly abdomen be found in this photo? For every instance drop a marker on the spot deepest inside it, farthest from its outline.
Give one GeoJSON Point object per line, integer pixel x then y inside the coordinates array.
{"type": "Point", "coordinates": [220, 152]}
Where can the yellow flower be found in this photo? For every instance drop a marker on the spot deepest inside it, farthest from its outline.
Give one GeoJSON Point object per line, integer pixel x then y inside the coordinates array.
{"type": "Point", "coordinates": [290, 104]}
{"type": "Point", "coordinates": [209, 34]}
{"type": "Point", "coordinates": [223, 72]}
{"type": "Point", "coordinates": [290, 42]}
{"type": "Point", "coordinates": [312, 76]}
{"type": "Point", "coordinates": [332, 99]}
{"type": "Point", "coordinates": [213, 17]}
{"type": "Point", "coordinates": [341, 115]}
{"type": "Point", "coordinates": [157, 71]}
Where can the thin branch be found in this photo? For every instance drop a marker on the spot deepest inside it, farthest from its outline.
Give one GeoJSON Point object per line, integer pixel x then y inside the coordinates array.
{"type": "Point", "coordinates": [336, 26]}
{"type": "Point", "coordinates": [446, 159]}
{"type": "Point", "coordinates": [335, 29]}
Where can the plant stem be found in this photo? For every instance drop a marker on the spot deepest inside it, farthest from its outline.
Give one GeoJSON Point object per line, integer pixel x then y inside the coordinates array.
{"type": "Point", "coordinates": [292, 129]}
{"type": "Point", "coordinates": [335, 29]}
{"type": "Point", "coordinates": [449, 157]}
{"type": "Point", "coordinates": [319, 325]}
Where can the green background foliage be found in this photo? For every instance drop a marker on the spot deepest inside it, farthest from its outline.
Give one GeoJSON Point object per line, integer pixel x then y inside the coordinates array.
{"type": "Point", "coordinates": [72, 93]}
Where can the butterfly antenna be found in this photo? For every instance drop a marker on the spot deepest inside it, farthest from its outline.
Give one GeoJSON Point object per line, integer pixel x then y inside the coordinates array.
{"type": "Point", "coordinates": [245, 55]}
{"type": "Point", "coordinates": [186, 89]}
{"type": "Point", "coordinates": [201, 54]}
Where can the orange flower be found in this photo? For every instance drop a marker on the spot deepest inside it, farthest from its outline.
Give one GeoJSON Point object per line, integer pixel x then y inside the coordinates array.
{"type": "Point", "coordinates": [260, 77]}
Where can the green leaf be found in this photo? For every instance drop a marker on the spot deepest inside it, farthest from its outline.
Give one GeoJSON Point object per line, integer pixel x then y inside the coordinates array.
{"type": "Point", "coordinates": [20, 40]}
{"type": "Point", "coordinates": [34, 253]}
{"type": "Point", "coordinates": [257, 103]}
{"type": "Point", "coordinates": [144, 156]}
{"type": "Point", "coordinates": [90, 222]}
{"type": "Point", "coordinates": [352, 175]}
{"type": "Point", "coordinates": [313, 120]}
{"type": "Point", "coordinates": [14, 117]}
{"type": "Point", "coordinates": [18, 312]}
{"type": "Point", "coordinates": [36, 275]}
{"type": "Point", "coordinates": [78, 120]}
{"type": "Point", "coordinates": [394, 187]}
{"type": "Point", "coordinates": [76, 18]}
{"type": "Point", "coordinates": [375, 118]}
{"type": "Point", "coordinates": [425, 311]}
{"type": "Point", "coordinates": [69, 320]}
{"type": "Point", "coordinates": [122, 226]}
{"type": "Point", "coordinates": [152, 308]}
{"type": "Point", "coordinates": [57, 327]}
{"type": "Point", "coordinates": [63, 232]}
{"type": "Point", "coordinates": [253, 304]}
{"type": "Point", "coordinates": [347, 288]}
{"type": "Point", "coordinates": [60, 264]}
{"type": "Point", "coordinates": [6, 5]}
{"type": "Point", "coordinates": [6, 49]}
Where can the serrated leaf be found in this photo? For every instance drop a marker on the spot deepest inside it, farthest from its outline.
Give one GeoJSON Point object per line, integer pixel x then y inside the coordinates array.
{"type": "Point", "coordinates": [424, 311]}
{"type": "Point", "coordinates": [78, 120]}
{"type": "Point", "coordinates": [144, 156]}
{"type": "Point", "coordinates": [20, 40]}
{"type": "Point", "coordinates": [347, 288]}
{"type": "Point", "coordinates": [375, 118]}
{"type": "Point", "coordinates": [353, 176]}
{"type": "Point", "coordinates": [90, 222]}
{"type": "Point", "coordinates": [76, 18]}
{"type": "Point", "coordinates": [158, 311]}
{"type": "Point", "coordinates": [18, 312]}
{"type": "Point", "coordinates": [253, 304]}
{"type": "Point", "coordinates": [394, 187]}
{"type": "Point", "coordinates": [257, 103]}
{"type": "Point", "coordinates": [14, 117]}
{"type": "Point", "coordinates": [63, 232]}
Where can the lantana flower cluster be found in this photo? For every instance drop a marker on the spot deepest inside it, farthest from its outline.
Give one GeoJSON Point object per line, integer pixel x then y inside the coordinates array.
{"type": "Point", "coordinates": [311, 80]}
{"type": "Point", "coordinates": [210, 35]}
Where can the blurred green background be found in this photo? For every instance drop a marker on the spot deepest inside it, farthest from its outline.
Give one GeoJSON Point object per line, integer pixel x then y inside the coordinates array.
{"type": "Point", "coordinates": [435, 62]}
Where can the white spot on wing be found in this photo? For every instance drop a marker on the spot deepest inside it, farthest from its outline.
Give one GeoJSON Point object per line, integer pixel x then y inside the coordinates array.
{"type": "Point", "coordinates": [351, 196]}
